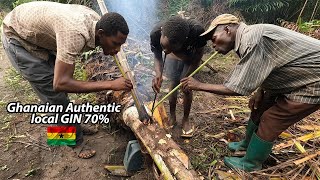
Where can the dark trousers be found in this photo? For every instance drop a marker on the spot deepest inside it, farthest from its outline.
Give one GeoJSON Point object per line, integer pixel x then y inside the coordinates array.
{"type": "Point", "coordinates": [276, 113]}
{"type": "Point", "coordinates": [40, 75]}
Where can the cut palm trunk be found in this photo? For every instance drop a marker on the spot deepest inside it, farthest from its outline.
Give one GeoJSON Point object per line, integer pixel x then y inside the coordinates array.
{"type": "Point", "coordinates": [168, 156]}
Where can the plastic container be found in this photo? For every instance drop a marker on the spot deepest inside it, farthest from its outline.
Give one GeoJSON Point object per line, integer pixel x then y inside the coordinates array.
{"type": "Point", "coordinates": [133, 160]}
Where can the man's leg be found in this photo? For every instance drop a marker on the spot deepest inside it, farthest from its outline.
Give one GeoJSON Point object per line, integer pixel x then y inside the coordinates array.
{"type": "Point", "coordinates": [39, 73]}
{"type": "Point", "coordinates": [281, 116]}
{"type": "Point", "coordinates": [268, 100]}
{"type": "Point", "coordinates": [273, 122]}
{"type": "Point", "coordinates": [173, 103]}
{"type": "Point", "coordinates": [187, 127]}
{"type": "Point", "coordinates": [187, 101]}
{"type": "Point", "coordinates": [173, 71]}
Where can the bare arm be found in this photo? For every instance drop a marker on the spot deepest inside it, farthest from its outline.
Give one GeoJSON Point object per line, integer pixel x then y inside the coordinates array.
{"type": "Point", "coordinates": [196, 59]}
{"type": "Point", "coordinates": [217, 89]}
{"type": "Point", "coordinates": [158, 63]}
{"type": "Point", "coordinates": [190, 83]}
{"type": "Point", "coordinates": [64, 81]}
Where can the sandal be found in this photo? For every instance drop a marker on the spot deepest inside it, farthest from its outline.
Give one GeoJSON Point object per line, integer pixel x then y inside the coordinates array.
{"type": "Point", "coordinates": [83, 151]}
{"type": "Point", "coordinates": [188, 134]}
{"type": "Point", "coordinates": [173, 125]}
{"type": "Point", "coordinates": [89, 130]}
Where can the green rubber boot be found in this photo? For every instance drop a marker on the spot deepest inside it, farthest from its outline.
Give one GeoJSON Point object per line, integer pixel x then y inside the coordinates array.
{"type": "Point", "coordinates": [258, 151]}
{"type": "Point", "coordinates": [242, 145]}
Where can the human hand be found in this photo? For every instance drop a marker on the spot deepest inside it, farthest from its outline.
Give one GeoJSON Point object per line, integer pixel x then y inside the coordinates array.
{"type": "Point", "coordinates": [189, 83]}
{"type": "Point", "coordinates": [156, 84]}
{"type": "Point", "coordinates": [121, 84]}
{"type": "Point", "coordinates": [256, 99]}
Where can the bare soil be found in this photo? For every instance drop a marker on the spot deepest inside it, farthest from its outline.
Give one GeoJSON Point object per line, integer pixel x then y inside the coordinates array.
{"type": "Point", "coordinates": [25, 154]}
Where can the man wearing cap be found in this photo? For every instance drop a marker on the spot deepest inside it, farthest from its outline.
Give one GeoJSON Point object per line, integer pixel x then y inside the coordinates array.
{"type": "Point", "coordinates": [281, 66]}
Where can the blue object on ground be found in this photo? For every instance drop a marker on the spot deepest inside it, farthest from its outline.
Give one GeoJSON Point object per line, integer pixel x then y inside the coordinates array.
{"type": "Point", "coordinates": [133, 160]}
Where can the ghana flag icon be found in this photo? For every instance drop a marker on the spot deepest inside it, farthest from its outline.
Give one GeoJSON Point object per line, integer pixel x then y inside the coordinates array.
{"type": "Point", "coordinates": [61, 135]}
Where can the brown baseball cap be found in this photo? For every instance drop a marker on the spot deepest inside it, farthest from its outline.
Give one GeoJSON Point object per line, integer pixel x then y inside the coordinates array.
{"type": "Point", "coordinates": [221, 19]}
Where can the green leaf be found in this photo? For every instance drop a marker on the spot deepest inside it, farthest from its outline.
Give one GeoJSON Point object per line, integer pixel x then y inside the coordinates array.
{"type": "Point", "coordinates": [214, 162]}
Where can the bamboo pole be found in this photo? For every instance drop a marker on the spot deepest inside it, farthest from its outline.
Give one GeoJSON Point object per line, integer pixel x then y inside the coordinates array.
{"type": "Point", "coordinates": [304, 5]}
{"type": "Point", "coordinates": [193, 73]}
{"type": "Point", "coordinates": [314, 10]}
{"type": "Point", "coordinates": [126, 73]}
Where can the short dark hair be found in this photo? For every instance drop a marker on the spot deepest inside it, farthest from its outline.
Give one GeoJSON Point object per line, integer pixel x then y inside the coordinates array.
{"type": "Point", "coordinates": [176, 29]}
{"type": "Point", "coordinates": [111, 23]}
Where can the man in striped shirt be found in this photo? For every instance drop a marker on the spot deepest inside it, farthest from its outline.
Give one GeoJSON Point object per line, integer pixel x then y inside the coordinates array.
{"type": "Point", "coordinates": [281, 65]}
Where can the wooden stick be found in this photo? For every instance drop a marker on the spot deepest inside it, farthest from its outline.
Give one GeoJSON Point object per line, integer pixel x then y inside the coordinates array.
{"type": "Point", "coordinates": [304, 138]}
{"type": "Point", "coordinates": [299, 161]}
{"type": "Point", "coordinates": [298, 172]}
{"type": "Point", "coordinates": [231, 114]}
{"type": "Point", "coordinates": [299, 17]}
{"type": "Point", "coordinates": [311, 164]}
{"type": "Point", "coordinates": [314, 10]}
{"type": "Point", "coordinates": [102, 6]}
{"type": "Point", "coordinates": [193, 73]}
{"type": "Point", "coordinates": [155, 93]}
{"type": "Point", "coordinates": [210, 67]}
{"type": "Point", "coordinates": [104, 10]}
{"type": "Point", "coordinates": [126, 73]}
{"type": "Point", "coordinates": [124, 68]}
{"type": "Point", "coordinates": [220, 135]}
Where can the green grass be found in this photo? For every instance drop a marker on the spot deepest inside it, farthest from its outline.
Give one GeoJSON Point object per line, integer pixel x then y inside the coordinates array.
{"type": "Point", "coordinates": [19, 86]}
{"type": "Point", "coordinates": [18, 2]}
{"type": "Point", "coordinates": [177, 5]}
{"type": "Point", "coordinates": [209, 157]}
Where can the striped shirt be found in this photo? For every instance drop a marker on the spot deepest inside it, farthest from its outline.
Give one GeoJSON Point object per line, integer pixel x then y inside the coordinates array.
{"type": "Point", "coordinates": [43, 27]}
{"type": "Point", "coordinates": [278, 60]}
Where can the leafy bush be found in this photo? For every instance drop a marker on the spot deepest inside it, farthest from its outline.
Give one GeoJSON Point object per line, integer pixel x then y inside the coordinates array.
{"type": "Point", "coordinates": [18, 2]}
{"type": "Point", "coordinates": [268, 11]}
{"type": "Point", "coordinates": [7, 4]}
{"type": "Point", "coordinates": [308, 26]}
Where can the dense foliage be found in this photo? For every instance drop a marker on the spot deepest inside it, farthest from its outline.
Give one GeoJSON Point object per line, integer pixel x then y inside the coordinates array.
{"type": "Point", "coordinates": [268, 11]}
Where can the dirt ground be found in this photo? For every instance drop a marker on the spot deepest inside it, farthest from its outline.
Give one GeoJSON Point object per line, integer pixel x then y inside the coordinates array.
{"type": "Point", "coordinates": [25, 154]}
